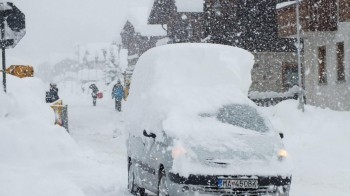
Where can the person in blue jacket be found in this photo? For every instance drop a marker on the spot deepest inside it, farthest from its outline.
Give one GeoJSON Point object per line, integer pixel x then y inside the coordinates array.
{"type": "Point", "coordinates": [118, 95]}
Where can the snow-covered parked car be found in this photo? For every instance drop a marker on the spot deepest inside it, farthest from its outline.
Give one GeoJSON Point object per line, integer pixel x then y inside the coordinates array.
{"type": "Point", "coordinates": [192, 129]}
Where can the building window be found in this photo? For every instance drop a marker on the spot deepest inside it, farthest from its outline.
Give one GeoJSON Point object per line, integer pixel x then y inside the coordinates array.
{"type": "Point", "coordinates": [322, 72]}
{"type": "Point", "coordinates": [340, 62]}
{"type": "Point", "coordinates": [290, 76]}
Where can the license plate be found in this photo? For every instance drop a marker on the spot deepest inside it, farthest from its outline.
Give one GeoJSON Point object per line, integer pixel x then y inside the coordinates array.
{"type": "Point", "coordinates": [238, 183]}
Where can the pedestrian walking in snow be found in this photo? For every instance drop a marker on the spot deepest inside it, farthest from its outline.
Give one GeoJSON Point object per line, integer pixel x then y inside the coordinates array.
{"type": "Point", "coordinates": [94, 89]}
{"type": "Point", "coordinates": [117, 95]}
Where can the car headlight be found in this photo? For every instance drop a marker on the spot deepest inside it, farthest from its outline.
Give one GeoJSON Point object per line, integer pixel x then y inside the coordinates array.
{"type": "Point", "coordinates": [178, 151]}
{"type": "Point", "coordinates": [282, 154]}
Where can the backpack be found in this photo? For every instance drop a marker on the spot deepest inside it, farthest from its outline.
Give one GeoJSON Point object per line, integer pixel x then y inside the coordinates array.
{"type": "Point", "coordinates": [118, 92]}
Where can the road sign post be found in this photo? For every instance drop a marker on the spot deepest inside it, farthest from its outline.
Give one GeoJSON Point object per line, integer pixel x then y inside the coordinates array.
{"type": "Point", "coordinates": [3, 51]}
{"type": "Point", "coordinates": [12, 29]}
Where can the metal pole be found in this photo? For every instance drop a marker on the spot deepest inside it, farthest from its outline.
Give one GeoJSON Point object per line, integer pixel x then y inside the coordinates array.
{"type": "Point", "coordinates": [3, 51]}
{"type": "Point", "coordinates": [4, 69]}
{"type": "Point", "coordinates": [301, 96]}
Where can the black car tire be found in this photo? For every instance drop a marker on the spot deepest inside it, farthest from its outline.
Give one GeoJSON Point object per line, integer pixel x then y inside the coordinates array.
{"type": "Point", "coordinates": [131, 179]}
{"type": "Point", "coordinates": [132, 187]}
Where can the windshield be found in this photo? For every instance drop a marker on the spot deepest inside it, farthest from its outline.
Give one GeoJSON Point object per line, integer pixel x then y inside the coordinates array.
{"type": "Point", "coordinates": [242, 116]}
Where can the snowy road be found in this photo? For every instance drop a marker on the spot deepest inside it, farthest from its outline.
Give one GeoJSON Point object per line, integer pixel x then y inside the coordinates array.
{"type": "Point", "coordinates": [97, 130]}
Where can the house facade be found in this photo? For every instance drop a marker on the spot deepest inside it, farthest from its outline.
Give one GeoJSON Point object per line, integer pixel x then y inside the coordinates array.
{"type": "Point", "coordinates": [138, 42]}
{"type": "Point", "coordinates": [248, 24]}
{"type": "Point", "coordinates": [326, 34]}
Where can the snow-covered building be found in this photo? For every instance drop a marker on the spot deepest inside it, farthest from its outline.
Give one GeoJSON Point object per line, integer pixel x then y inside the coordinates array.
{"type": "Point", "coordinates": [247, 24]}
{"type": "Point", "coordinates": [137, 36]}
{"type": "Point", "coordinates": [325, 29]}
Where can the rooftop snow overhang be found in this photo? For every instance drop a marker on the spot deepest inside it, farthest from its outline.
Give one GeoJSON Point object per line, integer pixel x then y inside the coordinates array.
{"type": "Point", "coordinates": [286, 4]}
{"type": "Point", "coordinates": [161, 12]}
{"type": "Point", "coordinates": [190, 5]}
{"type": "Point", "coordinates": [152, 30]}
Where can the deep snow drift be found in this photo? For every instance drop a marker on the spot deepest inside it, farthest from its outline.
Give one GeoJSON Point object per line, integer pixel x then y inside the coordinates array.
{"type": "Point", "coordinates": [29, 142]}
{"type": "Point", "coordinates": [38, 158]}
{"type": "Point", "coordinates": [318, 143]}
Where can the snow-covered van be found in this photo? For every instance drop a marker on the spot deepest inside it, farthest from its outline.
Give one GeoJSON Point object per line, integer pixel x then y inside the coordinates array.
{"type": "Point", "coordinates": [192, 129]}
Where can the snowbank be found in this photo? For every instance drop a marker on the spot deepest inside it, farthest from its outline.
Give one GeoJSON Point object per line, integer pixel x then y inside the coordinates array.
{"type": "Point", "coordinates": [270, 94]}
{"type": "Point", "coordinates": [29, 140]}
{"type": "Point", "coordinates": [27, 130]}
{"type": "Point", "coordinates": [318, 143]}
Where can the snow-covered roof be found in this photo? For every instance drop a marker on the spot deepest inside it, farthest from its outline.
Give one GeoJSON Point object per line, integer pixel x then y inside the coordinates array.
{"type": "Point", "coordinates": [190, 5]}
{"type": "Point", "coordinates": [138, 17]}
{"type": "Point", "coordinates": [151, 30]}
{"type": "Point", "coordinates": [286, 4]}
{"type": "Point", "coordinates": [4, 6]}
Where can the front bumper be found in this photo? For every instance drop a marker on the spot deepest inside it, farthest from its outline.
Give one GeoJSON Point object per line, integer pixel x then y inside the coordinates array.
{"type": "Point", "coordinates": [207, 185]}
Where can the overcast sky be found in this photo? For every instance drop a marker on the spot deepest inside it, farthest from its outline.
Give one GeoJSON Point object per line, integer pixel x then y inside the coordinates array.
{"type": "Point", "coordinates": [54, 27]}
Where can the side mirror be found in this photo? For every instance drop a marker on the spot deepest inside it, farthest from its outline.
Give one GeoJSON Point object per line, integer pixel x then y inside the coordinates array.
{"type": "Point", "coordinates": [152, 135]}
{"type": "Point", "coordinates": [281, 135]}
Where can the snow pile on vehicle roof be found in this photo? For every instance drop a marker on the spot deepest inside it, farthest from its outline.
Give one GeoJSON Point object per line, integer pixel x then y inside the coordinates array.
{"type": "Point", "coordinates": [29, 140]}
{"type": "Point", "coordinates": [189, 78]}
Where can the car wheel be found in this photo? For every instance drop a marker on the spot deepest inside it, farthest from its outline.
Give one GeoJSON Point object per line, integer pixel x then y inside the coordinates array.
{"type": "Point", "coordinates": [141, 192]}
{"type": "Point", "coordinates": [131, 179]}
{"type": "Point", "coordinates": [163, 189]}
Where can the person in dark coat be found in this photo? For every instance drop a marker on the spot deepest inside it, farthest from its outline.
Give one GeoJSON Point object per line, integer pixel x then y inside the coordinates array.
{"type": "Point", "coordinates": [52, 94]}
{"type": "Point", "coordinates": [94, 89]}
{"type": "Point", "coordinates": [117, 95]}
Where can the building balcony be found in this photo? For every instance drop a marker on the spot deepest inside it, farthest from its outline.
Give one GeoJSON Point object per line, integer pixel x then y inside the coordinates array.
{"type": "Point", "coordinates": [321, 16]}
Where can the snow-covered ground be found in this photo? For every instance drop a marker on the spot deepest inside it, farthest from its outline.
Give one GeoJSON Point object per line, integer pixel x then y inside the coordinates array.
{"type": "Point", "coordinates": [318, 142]}
{"type": "Point", "coordinates": [40, 159]}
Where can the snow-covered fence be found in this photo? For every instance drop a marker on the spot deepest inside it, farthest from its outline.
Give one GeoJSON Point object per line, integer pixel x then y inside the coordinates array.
{"type": "Point", "coordinates": [266, 99]}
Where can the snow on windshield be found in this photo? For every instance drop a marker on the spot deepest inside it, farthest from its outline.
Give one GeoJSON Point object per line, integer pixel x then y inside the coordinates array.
{"type": "Point", "coordinates": [242, 116]}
